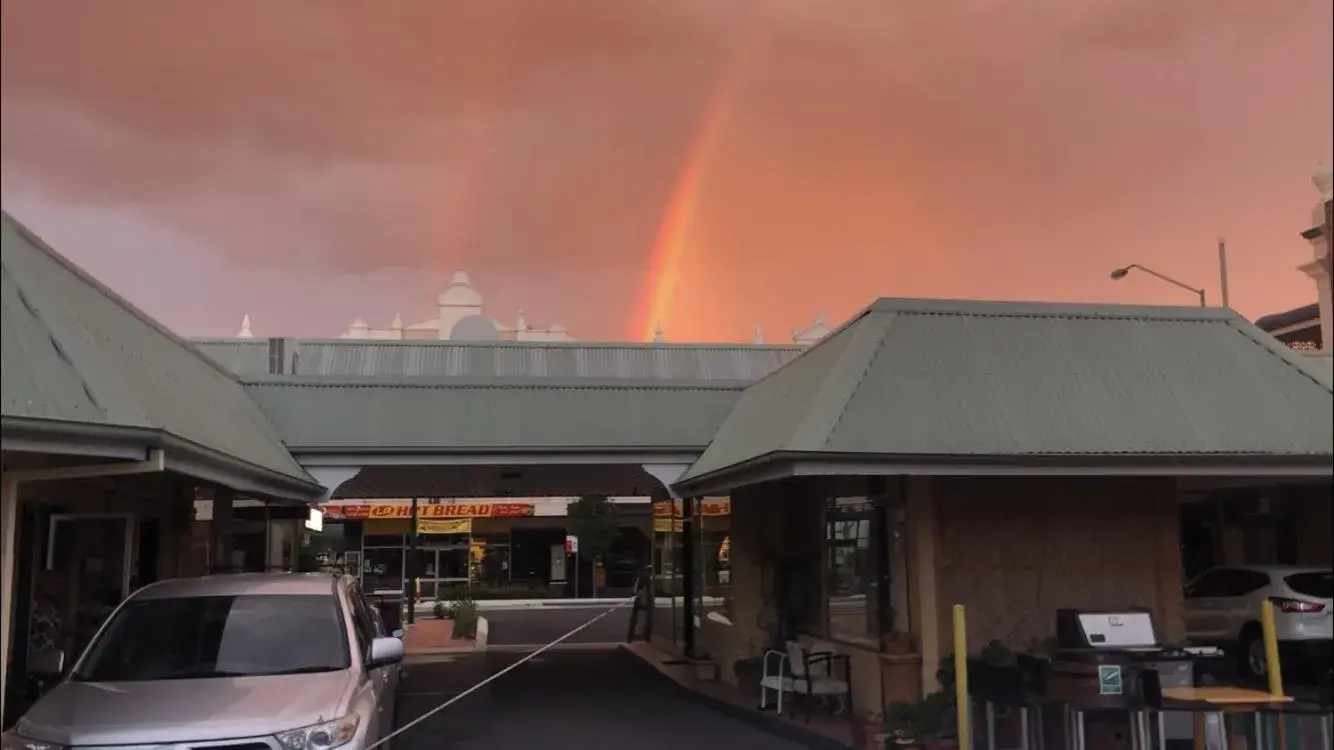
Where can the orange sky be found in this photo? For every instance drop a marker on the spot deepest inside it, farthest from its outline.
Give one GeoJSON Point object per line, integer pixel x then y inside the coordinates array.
{"type": "Point", "coordinates": [314, 160]}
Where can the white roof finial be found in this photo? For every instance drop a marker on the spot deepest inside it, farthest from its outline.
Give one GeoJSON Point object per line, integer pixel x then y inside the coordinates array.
{"type": "Point", "coordinates": [521, 324]}
{"type": "Point", "coordinates": [759, 334]}
{"type": "Point", "coordinates": [397, 323]}
{"type": "Point", "coordinates": [245, 332]}
{"type": "Point", "coordinates": [657, 332]}
{"type": "Point", "coordinates": [1323, 179]}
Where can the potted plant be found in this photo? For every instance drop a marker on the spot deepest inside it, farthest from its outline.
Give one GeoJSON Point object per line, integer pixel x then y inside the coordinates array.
{"type": "Point", "coordinates": [748, 671]}
{"type": "Point", "coordinates": [929, 724]}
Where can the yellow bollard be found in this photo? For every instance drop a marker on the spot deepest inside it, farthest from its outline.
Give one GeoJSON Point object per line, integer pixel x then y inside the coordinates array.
{"type": "Point", "coordinates": [961, 702]}
{"type": "Point", "coordinates": [417, 589]}
{"type": "Point", "coordinates": [1272, 666]}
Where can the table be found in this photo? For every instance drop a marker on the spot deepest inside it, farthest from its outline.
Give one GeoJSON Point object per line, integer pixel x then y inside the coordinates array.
{"type": "Point", "coordinates": [1221, 700]}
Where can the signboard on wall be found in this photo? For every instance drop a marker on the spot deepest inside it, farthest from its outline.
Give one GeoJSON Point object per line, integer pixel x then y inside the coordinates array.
{"type": "Point", "coordinates": [445, 526]}
{"type": "Point", "coordinates": [426, 510]}
{"type": "Point", "coordinates": [708, 508]}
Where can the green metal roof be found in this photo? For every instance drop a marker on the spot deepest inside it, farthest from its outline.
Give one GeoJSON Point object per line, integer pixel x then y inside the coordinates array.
{"type": "Point", "coordinates": [76, 354]}
{"type": "Point", "coordinates": [506, 359]}
{"type": "Point", "coordinates": [384, 415]}
{"type": "Point", "coordinates": [1014, 380]}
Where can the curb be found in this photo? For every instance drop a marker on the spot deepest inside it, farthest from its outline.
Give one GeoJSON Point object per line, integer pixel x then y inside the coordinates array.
{"type": "Point", "coordinates": [766, 723]}
{"type": "Point", "coordinates": [478, 643]}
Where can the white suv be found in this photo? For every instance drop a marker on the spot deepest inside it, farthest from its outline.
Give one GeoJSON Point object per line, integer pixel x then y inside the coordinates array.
{"type": "Point", "coordinates": [272, 661]}
{"type": "Point", "coordinates": [1223, 609]}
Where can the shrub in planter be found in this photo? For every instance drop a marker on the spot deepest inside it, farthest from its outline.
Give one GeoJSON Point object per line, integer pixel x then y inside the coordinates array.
{"type": "Point", "coordinates": [440, 610]}
{"type": "Point", "coordinates": [748, 671]}
{"type": "Point", "coordinates": [465, 619]}
{"type": "Point", "coordinates": [929, 723]}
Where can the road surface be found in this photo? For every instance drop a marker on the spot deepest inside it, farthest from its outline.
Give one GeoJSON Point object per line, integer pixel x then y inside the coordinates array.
{"type": "Point", "coordinates": [577, 699]}
{"type": "Point", "coordinates": [536, 627]}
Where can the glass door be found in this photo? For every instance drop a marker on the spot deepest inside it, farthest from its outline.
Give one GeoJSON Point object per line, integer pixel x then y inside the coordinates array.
{"type": "Point", "coordinates": [88, 558]}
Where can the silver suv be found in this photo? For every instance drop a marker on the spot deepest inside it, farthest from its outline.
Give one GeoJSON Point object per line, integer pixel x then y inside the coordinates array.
{"type": "Point", "coordinates": [231, 662]}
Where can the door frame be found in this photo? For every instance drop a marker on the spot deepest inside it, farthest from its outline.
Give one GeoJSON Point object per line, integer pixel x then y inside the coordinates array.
{"type": "Point", "coordinates": [126, 564]}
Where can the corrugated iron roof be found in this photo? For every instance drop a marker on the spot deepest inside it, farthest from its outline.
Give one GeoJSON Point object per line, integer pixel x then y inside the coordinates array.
{"type": "Point", "coordinates": [315, 414]}
{"type": "Point", "coordinates": [75, 352]}
{"type": "Point", "coordinates": [507, 359]}
{"type": "Point", "coordinates": [954, 378]}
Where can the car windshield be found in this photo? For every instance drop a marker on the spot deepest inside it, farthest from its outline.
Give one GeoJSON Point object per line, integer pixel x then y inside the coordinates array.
{"type": "Point", "coordinates": [219, 636]}
{"type": "Point", "coordinates": [1319, 584]}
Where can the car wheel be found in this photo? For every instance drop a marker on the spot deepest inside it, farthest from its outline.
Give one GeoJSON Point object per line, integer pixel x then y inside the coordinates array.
{"type": "Point", "coordinates": [1253, 660]}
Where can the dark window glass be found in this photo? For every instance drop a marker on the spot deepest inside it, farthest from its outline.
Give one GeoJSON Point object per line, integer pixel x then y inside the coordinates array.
{"type": "Point", "coordinates": [362, 620]}
{"type": "Point", "coordinates": [855, 536]}
{"type": "Point", "coordinates": [219, 636]}
{"type": "Point", "coordinates": [1226, 582]}
{"type": "Point", "coordinates": [1208, 585]}
{"type": "Point", "coordinates": [1318, 585]}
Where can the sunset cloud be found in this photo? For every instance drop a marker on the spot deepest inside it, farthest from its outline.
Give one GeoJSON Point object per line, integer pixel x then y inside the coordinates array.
{"type": "Point", "coordinates": [914, 147]}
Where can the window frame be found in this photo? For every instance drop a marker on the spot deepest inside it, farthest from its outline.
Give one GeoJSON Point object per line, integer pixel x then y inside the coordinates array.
{"type": "Point", "coordinates": [876, 509]}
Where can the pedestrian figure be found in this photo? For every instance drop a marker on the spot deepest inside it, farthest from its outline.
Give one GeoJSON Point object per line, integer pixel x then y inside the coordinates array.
{"type": "Point", "coordinates": [642, 604]}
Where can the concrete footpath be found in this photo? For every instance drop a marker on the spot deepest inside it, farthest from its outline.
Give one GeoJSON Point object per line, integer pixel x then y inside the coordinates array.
{"type": "Point", "coordinates": [494, 605]}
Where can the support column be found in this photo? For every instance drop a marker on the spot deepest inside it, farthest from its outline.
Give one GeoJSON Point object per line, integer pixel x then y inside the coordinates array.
{"type": "Point", "coordinates": [922, 517]}
{"type": "Point", "coordinates": [220, 539]}
{"type": "Point", "coordinates": [688, 505]}
{"type": "Point", "coordinates": [9, 526]}
{"type": "Point", "coordinates": [409, 560]}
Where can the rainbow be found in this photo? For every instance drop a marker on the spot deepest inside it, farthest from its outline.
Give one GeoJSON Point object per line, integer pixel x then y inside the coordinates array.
{"type": "Point", "coordinates": [658, 300]}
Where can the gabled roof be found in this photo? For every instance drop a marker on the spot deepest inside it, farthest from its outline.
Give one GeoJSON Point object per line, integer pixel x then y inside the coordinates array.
{"type": "Point", "coordinates": [78, 357]}
{"type": "Point", "coordinates": [492, 415]}
{"type": "Point", "coordinates": [1001, 380]}
{"type": "Point", "coordinates": [505, 359]}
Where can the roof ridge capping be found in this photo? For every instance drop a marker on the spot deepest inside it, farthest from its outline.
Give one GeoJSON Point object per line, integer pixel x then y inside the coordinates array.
{"type": "Point", "coordinates": [443, 343]}
{"type": "Point", "coordinates": [490, 381]}
{"type": "Point", "coordinates": [1039, 309]}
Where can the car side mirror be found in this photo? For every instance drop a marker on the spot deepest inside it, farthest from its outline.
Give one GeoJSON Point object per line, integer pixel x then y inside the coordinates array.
{"type": "Point", "coordinates": [47, 664]}
{"type": "Point", "coordinates": [385, 651]}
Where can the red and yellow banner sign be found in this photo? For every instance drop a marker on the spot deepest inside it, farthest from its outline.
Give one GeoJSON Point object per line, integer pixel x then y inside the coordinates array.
{"type": "Point", "coordinates": [708, 507]}
{"type": "Point", "coordinates": [427, 510]}
{"type": "Point", "coordinates": [450, 526]}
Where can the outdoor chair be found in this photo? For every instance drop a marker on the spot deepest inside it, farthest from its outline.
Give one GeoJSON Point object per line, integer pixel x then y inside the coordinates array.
{"type": "Point", "coordinates": [809, 673]}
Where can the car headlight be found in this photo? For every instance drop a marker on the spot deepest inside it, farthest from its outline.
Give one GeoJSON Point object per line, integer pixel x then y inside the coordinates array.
{"type": "Point", "coordinates": [14, 741]}
{"type": "Point", "coordinates": [322, 736]}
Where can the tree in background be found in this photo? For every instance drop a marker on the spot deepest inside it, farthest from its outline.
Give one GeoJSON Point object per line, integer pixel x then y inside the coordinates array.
{"type": "Point", "coordinates": [592, 519]}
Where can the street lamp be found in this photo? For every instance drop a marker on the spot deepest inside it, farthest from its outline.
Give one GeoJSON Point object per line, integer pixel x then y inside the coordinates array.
{"type": "Point", "coordinates": [1124, 271]}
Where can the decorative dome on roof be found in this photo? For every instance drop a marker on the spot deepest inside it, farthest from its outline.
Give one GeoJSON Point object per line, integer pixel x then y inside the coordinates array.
{"type": "Point", "coordinates": [475, 328]}
{"type": "Point", "coordinates": [1323, 179]}
{"type": "Point", "coordinates": [460, 293]}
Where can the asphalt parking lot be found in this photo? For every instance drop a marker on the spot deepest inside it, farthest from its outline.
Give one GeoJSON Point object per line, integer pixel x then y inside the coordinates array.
{"type": "Point", "coordinates": [581, 698]}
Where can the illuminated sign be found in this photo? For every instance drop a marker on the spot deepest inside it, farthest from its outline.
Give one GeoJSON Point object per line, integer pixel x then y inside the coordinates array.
{"type": "Point", "coordinates": [708, 507]}
{"type": "Point", "coordinates": [427, 510]}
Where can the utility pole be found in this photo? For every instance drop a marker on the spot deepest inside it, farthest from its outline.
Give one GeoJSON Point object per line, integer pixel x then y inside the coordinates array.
{"type": "Point", "coordinates": [409, 575]}
{"type": "Point", "coordinates": [1222, 271]}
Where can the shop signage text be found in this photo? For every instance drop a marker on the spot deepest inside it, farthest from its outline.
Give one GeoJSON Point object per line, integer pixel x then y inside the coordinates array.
{"type": "Point", "coordinates": [449, 526]}
{"type": "Point", "coordinates": [708, 507]}
{"type": "Point", "coordinates": [428, 510]}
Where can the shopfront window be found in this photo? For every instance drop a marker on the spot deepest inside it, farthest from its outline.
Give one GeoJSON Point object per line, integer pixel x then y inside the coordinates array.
{"type": "Point", "coordinates": [381, 564]}
{"type": "Point", "coordinates": [713, 564]}
{"type": "Point", "coordinates": [865, 564]}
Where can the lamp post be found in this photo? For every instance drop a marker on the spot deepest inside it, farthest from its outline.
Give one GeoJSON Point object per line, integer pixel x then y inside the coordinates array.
{"type": "Point", "coordinates": [1124, 271]}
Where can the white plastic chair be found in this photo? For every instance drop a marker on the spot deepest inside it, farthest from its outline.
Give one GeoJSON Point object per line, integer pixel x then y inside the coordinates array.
{"type": "Point", "coordinates": [779, 680]}
{"type": "Point", "coordinates": [804, 671]}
